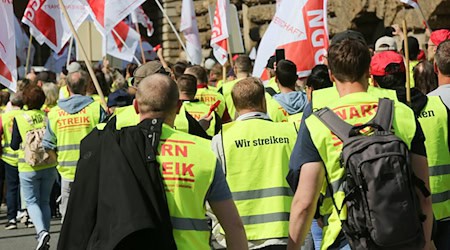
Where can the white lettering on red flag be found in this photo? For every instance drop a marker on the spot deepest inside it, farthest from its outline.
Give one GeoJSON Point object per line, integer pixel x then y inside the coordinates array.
{"type": "Point", "coordinates": [190, 31]}
{"type": "Point", "coordinates": [8, 69]}
{"type": "Point", "coordinates": [219, 34]}
{"type": "Point", "coordinates": [299, 27]}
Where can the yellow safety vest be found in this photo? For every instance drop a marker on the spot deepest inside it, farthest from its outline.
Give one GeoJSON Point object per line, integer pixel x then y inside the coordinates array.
{"type": "Point", "coordinates": [257, 156]}
{"type": "Point", "coordinates": [412, 64]}
{"type": "Point", "coordinates": [197, 110]}
{"type": "Point", "coordinates": [126, 117]}
{"type": "Point", "coordinates": [69, 130]}
{"type": "Point", "coordinates": [433, 120]}
{"type": "Point", "coordinates": [296, 119]}
{"type": "Point", "coordinates": [64, 92]}
{"type": "Point", "coordinates": [272, 83]}
{"type": "Point", "coordinates": [38, 121]}
{"type": "Point", "coordinates": [226, 90]}
{"type": "Point", "coordinates": [275, 111]}
{"type": "Point", "coordinates": [354, 108]}
{"type": "Point", "coordinates": [210, 97]}
{"type": "Point", "coordinates": [187, 167]}
{"type": "Point", "coordinates": [324, 97]}
{"type": "Point", "coordinates": [9, 155]}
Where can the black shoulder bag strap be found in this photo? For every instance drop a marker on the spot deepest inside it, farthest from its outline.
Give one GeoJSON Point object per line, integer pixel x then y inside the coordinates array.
{"type": "Point", "coordinates": [271, 91]}
{"type": "Point", "coordinates": [153, 138]}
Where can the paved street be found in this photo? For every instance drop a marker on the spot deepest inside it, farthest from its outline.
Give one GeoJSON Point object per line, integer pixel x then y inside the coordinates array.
{"type": "Point", "coordinates": [24, 238]}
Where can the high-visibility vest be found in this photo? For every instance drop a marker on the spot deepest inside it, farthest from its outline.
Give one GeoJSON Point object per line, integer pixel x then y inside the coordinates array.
{"type": "Point", "coordinates": [9, 155]}
{"type": "Point", "coordinates": [126, 117]}
{"type": "Point", "coordinates": [412, 65]}
{"type": "Point", "coordinates": [296, 119]}
{"type": "Point", "coordinates": [209, 97]}
{"type": "Point", "coordinates": [272, 83]}
{"type": "Point", "coordinates": [197, 110]}
{"type": "Point", "coordinates": [357, 108]}
{"type": "Point", "coordinates": [323, 97]}
{"type": "Point", "coordinates": [27, 121]}
{"type": "Point", "coordinates": [275, 111]}
{"type": "Point", "coordinates": [226, 90]}
{"type": "Point", "coordinates": [434, 122]}
{"type": "Point", "coordinates": [69, 130]}
{"type": "Point", "coordinates": [187, 166]}
{"type": "Point", "coordinates": [257, 162]}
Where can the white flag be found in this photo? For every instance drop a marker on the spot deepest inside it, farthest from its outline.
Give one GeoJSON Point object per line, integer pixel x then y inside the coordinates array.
{"type": "Point", "coordinates": [48, 24]}
{"type": "Point", "coordinates": [139, 16]}
{"type": "Point", "coordinates": [113, 44]}
{"type": "Point", "coordinates": [22, 44]}
{"type": "Point", "coordinates": [412, 3]}
{"type": "Point", "coordinates": [8, 69]}
{"type": "Point", "coordinates": [219, 35]}
{"type": "Point", "coordinates": [190, 31]}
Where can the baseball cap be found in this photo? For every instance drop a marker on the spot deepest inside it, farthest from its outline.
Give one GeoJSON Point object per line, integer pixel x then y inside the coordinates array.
{"type": "Point", "coordinates": [438, 36]}
{"type": "Point", "coordinates": [381, 60]}
{"type": "Point", "coordinates": [119, 98]}
{"type": "Point", "coordinates": [271, 62]}
{"type": "Point", "coordinates": [73, 67]}
{"type": "Point", "coordinates": [385, 43]}
{"type": "Point", "coordinates": [348, 34]}
{"type": "Point", "coordinates": [148, 69]}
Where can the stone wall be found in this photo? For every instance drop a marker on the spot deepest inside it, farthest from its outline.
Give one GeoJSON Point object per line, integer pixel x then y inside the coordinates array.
{"type": "Point", "coordinates": [367, 16]}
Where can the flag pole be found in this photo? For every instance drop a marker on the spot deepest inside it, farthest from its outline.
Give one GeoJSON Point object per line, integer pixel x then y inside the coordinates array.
{"type": "Point", "coordinates": [424, 19]}
{"type": "Point", "coordinates": [83, 54]}
{"type": "Point", "coordinates": [408, 80]}
{"type": "Point", "coordinates": [173, 28]}
{"type": "Point", "coordinates": [230, 56]}
{"type": "Point", "coordinates": [126, 46]}
{"type": "Point", "coordinates": [69, 52]}
{"type": "Point", "coordinates": [27, 62]}
{"type": "Point", "coordinates": [136, 25]}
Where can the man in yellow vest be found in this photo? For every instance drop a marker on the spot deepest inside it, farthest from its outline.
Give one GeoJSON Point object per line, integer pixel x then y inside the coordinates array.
{"type": "Point", "coordinates": [254, 152]}
{"type": "Point", "coordinates": [388, 71]}
{"type": "Point", "coordinates": [190, 171]}
{"type": "Point", "coordinates": [291, 100]}
{"type": "Point", "coordinates": [205, 94]}
{"type": "Point", "coordinates": [187, 86]}
{"type": "Point", "coordinates": [11, 160]}
{"type": "Point", "coordinates": [68, 124]}
{"type": "Point", "coordinates": [349, 62]}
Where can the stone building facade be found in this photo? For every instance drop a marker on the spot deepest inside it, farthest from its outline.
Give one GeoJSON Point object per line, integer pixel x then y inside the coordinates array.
{"type": "Point", "coordinates": [367, 16]}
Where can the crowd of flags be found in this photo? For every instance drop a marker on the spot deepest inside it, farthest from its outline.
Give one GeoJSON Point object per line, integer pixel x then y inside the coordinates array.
{"type": "Point", "coordinates": [299, 27]}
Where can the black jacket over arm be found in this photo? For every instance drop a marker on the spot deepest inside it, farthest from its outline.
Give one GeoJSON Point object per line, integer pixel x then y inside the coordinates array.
{"type": "Point", "coordinates": [117, 200]}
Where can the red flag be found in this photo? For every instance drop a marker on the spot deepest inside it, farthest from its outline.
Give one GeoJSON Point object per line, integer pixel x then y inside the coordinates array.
{"type": "Point", "coordinates": [8, 69]}
{"type": "Point", "coordinates": [299, 27]}
{"type": "Point", "coordinates": [139, 16]}
{"type": "Point", "coordinates": [219, 35]}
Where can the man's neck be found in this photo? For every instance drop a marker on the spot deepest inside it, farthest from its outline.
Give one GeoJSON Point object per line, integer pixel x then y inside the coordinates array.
{"type": "Point", "coordinates": [186, 97]}
{"type": "Point", "coordinates": [443, 80]}
{"type": "Point", "coordinates": [346, 88]}
{"type": "Point", "coordinates": [242, 75]}
{"type": "Point", "coordinates": [170, 121]}
{"type": "Point", "coordinates": [285, 90]}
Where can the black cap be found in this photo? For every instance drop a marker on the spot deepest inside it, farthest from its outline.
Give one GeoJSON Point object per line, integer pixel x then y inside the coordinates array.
{"type": "Point", "coordinates": [119, 98]}
{"type": "Point", "coordinates": [271, 62]}
{"type": "Point", "coordinates": [348, 34]}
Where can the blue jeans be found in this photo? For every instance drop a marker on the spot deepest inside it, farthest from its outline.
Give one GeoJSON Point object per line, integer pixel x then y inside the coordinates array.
{"type": "Point", "coordinates": [12, 191]}
{"type": "Point", "coordinates": [442, 238]}
{"type": "Point", "coordinates": [316, 232]}
{"type": "Point", "coordinates": [36, 189]}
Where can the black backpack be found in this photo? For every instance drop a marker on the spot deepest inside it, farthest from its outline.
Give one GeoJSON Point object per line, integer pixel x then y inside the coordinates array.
{"type": "Point", "coordinates": [382, 206]}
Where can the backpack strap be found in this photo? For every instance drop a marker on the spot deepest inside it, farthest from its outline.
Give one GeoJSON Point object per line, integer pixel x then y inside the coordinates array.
{"type": "Point", "coordinates": [271, 91]}
{"type": "Point", "coordinates": [153, 137]}
{"type": "Point", "coordinates": [384, 115]}
{"type": "Point", "coordinates": [333, 122]}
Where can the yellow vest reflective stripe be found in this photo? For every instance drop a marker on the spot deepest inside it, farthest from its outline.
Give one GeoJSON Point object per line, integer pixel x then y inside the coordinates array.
{"type": "Point", "coordinates": [323, 97]}
{"type": "Point", "coordinates": [69, 130]}
{"type": "Point", "coordinates": [187, 167]}
{"type": "Point", "coordinates": [354, 108]}
{"type": "Point", "coordinates": [38, 118]}
{"type": "Point", "coordinates": [9, 155]}
{"type": "Point", "coordinates": [434, 122]}
{"type": "Point", "coordinates": [126, 117]}
{"type": "Point", "coordinates": [273, 84]}
{"type": "Point", "coordinates": [209, 97]}
{"type": "Point", "coordinates": [197, 110]}
{"type": "Point", "coordinates": [257, 177]}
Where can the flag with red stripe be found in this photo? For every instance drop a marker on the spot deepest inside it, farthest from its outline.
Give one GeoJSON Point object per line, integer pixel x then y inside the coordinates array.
{"type": "Point", "coordinates": [139, 16]}
{"type": "Point", "coordinates": [412, 3]}
{"type": "Point", "coordinates": [219, 34]}
{"type": "Point", "coordinates": [8, 69]}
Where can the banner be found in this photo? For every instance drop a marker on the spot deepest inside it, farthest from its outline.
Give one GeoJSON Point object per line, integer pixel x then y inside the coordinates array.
{"type": "Point", "coordinates": [47, 23]}
{"type": "Point", "coordinates": [139, 16]}
{"type": "Point", "coordinates": [113, 44]}
{"type": "Point", "coordinates": [8, 69]}
{"type": "Point", "coordinates": [219, 33]}
{"type": "Point", "coordinates": [190, 31]}
{"type": "Point", "coordinates": [299, 27]}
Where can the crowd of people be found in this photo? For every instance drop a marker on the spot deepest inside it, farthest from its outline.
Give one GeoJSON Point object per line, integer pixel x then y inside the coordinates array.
{"type": "Point", "coordinates": [180, 158]}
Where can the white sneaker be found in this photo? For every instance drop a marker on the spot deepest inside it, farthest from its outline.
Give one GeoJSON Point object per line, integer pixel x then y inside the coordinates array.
{"type": "Point", "coordinates": [43, 240]}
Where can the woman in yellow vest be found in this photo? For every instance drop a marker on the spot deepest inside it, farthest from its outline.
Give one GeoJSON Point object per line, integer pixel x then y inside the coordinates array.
{"type": "Point", "coordinates": [36, 181]}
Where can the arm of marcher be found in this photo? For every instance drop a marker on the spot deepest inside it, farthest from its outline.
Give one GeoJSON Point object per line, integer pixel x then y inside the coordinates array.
{"type": "Point", "coordinates": [231, 223]}
{"type": "Point", "coordinates": [420, 168]}
{"type": "Point", "coordinates": [304, 203]}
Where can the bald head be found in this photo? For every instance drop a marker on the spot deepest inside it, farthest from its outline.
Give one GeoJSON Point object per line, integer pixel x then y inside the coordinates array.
{"type": "Point", "coordinates": [157, 96]}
